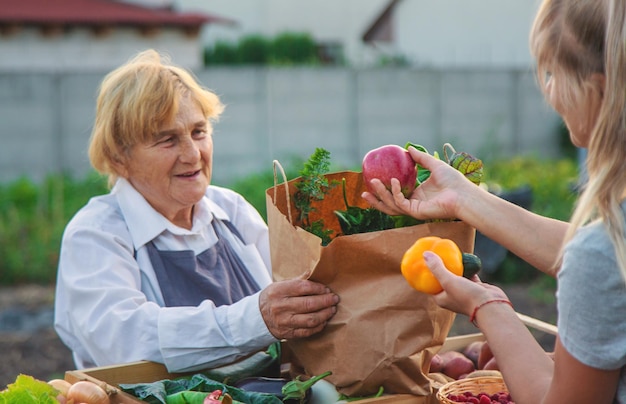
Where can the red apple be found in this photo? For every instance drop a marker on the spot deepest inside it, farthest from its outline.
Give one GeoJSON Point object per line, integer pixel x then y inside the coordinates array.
{"type": "Point", "coordinates": [387, 162]}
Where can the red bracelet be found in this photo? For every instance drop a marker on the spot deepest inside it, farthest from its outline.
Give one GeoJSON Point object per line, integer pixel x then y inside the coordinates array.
{"type": "Point", "coordinates": [472, 318]}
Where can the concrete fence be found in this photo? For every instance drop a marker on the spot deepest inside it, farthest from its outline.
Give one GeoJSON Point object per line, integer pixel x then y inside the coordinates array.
{"type": "Point", "coordinates": [278, 113]}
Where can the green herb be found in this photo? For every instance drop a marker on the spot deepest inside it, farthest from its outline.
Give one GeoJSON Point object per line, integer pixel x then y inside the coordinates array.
{"type": "Point", "coordinates": [313, 187]}
{"type": "Point", "coordinates": [296, 389]}
{"type": "Point", "coordinates": [356, 220]}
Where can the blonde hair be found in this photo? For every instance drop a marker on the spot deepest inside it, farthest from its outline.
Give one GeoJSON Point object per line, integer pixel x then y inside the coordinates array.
{"type": "Point", "coordinates": [135, 100]}
{"type": "Point", "coordinates": [575, 39]}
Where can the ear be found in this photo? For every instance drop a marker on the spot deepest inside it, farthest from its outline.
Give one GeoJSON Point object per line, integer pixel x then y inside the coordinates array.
{"type": "Point", "coordinates": [599, 81]}
{"type": "Point", "coordinates": [118, 164]}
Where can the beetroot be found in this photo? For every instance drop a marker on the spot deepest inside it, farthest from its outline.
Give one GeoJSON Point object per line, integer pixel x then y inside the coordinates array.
{"type": "Point", "coordinates": [456, 365]}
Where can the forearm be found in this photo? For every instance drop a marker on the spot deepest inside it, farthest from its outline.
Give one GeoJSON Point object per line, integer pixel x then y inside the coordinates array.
{"type": "Point", "coordinates": [535, 239]}
{"type": "Point", "coordinates": [526, 367]}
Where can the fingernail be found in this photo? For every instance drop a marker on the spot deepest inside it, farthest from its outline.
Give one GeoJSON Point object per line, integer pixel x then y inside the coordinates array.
{"type": "Point", "coordinates": [428, 256]}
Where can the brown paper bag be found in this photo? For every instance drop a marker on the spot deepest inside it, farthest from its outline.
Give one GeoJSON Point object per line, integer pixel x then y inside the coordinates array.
{"type": "Point", "coordinates": [384, 332]}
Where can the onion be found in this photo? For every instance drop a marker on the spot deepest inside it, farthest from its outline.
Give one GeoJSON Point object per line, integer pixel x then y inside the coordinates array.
{"type": "Point", "coordinates": [62, 385]}
{"type": "Point", "coordinates": [87, 392]}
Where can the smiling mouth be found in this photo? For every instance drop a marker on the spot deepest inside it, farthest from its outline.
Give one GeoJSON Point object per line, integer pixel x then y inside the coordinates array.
{"type": "Point", "coordinates": [189, 174]}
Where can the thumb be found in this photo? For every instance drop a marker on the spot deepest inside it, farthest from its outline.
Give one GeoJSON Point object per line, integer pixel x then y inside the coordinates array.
{"type": "Point", "coordinates": [435, 264]}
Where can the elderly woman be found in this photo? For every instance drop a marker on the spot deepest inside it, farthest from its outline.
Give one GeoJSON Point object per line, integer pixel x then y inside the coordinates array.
{"type": "Point", "coordinates": [167, 267]}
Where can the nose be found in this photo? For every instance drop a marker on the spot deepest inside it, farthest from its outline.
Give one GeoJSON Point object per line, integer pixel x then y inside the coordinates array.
{"type": "Point", "coordinates": [189, 151]}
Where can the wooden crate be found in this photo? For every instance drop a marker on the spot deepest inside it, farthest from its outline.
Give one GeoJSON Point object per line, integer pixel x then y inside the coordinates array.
{"type": "Point", "coordinates": [110, 377]}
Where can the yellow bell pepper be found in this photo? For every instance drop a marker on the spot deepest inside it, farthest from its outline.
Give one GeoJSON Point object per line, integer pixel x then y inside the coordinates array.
{"type": "Point", "coordinates": [417, 273]}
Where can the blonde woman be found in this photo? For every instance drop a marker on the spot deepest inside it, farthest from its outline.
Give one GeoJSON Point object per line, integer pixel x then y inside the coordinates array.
{"type": "Point", "coordinates": [580, 48]}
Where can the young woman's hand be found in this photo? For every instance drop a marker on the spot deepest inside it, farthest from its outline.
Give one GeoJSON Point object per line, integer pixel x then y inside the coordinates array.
{"type": "Point", "coordinates": [460, 294]}
{"type": "Point", "coordinates": [435, 198]}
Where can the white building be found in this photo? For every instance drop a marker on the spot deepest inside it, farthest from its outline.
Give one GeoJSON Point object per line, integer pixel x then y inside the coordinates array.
{"type": "Point", "coordinates": [426, 33]}
{"type": "Point", "coordinates": [94, 35]}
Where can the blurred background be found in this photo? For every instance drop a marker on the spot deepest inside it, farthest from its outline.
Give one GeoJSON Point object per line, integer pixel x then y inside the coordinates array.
{"type": "Point", "coordinates": [347, 76]}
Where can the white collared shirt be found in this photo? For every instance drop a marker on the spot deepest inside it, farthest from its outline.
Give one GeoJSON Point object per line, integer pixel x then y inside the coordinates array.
{"type": "Point", "coordinates": [108, 306]}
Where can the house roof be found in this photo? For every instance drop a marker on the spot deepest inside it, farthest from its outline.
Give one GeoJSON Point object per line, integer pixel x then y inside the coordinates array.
{"type": "Point", "coordinates": [382, 28]}
{"type": "Point", "coordinates": [96, 13]}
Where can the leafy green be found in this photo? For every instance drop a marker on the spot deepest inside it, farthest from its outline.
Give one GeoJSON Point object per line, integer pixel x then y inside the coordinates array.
{"type": "Point", "coordinates": [167, 391]}
{"type": "Point", "coordinates": [422, 173]}
{"type": "Point", "coordinates": [467, 164]}
{"type": "Point", "coordinates": [356, 220]}
{"type": "Point", "coordinates": [28, 390]}
{"type": "Point", "coordinates": [312, 187]}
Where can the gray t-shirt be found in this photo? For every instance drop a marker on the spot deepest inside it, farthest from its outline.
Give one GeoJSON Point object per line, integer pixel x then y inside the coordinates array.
{"type": "Point", "coordinates": [592, 303]}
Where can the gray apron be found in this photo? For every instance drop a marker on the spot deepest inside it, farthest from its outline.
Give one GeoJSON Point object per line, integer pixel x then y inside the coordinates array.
{"type": "Point", "coordinates": [217, 274]}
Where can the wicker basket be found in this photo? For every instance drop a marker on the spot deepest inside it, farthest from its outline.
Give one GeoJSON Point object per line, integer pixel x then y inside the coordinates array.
{"type": "Point", "coordinates": [475, 385]}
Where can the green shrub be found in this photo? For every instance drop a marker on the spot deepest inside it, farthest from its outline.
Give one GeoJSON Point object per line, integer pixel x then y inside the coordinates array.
{"type": "Point", "coordinates": [254, 49]}
{"type": "Point", "coordinates": [294, 48]}
{"type": "Point", "coordinates": [223, 53]}
{"type": "Point", "coordinates": [553, 184]}
{"type": "Point", "coordinates": [284, 49]}
{"type": "Point", "coordinates": [32, 220]}
{"type": "Point", "coordinates": [33, 216]}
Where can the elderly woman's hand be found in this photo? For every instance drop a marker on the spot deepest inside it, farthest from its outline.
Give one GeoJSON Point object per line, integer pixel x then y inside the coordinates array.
{"type": "Point", "coordinates": [297, 308]}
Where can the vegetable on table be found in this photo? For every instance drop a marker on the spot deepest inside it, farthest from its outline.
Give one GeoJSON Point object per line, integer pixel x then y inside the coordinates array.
{"type": "Point", "coordinates": [28, 390]}
{"type": "Point", "coordinates": [296, 388]}
{"type": "Point", "coordinates": [417, 273]}
{"type": "Point", "coordinates": [87, 392]}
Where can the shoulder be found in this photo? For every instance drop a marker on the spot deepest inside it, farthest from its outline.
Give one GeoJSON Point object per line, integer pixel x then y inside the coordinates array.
{"type": "Point", "coordinates": [101, 214]}
{"type": "Point", "coordinates": [591, 296]}
{"type": "Point", "coordinates": [224, 195]}
{"type": "Point", "coordinates": [233, 203]}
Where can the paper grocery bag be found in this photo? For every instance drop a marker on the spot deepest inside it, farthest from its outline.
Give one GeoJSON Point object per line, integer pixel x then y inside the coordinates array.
{"type": "Point", "coordinates": [384, 332]}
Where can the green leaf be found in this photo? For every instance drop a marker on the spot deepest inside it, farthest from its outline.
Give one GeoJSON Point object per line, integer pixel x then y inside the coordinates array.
{"type": "Point", "coordinates": [422, 173]}
{"type": "Point", "coordinates": [28, 390]}
{"type": "Point", "coordinates": [162, 392]}
{"type": "Point", "coordinates": [355, 220]}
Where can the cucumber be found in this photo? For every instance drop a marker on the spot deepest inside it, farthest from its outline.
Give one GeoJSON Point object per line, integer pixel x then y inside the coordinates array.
{"type": "Point", "coordinates": [471, 265]}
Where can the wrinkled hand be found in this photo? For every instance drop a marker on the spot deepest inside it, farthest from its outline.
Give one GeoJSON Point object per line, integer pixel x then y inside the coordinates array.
{"type": "Point", "coordinates": [460, 294]}
{"type": "Point", "coordinates": [435, 198]}
{"type": "Point", "coordinates": [297, 308]}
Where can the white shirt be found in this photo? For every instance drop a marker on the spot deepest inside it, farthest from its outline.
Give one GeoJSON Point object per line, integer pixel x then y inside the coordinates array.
{"type": "Point", "coordinates": [108, 305]}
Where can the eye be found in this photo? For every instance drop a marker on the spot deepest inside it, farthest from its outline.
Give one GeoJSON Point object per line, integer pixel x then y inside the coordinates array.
{"type": "Point", "coordinates": [200, 133]}
{"type": "Point", "coordinates": [164, 140]}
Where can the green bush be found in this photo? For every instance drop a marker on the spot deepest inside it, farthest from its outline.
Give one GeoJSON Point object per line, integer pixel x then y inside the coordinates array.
{"type": "Point", "coordinates": [293, 48]}
{"type": "Point", "coordinates": [223, 53]}
{"type": "Point", "coordinates": [33, 216]}
{"type": "Point", "coordinates": [32, 219]}
{"type": "Point", "coordinates": [287, 48]}
{"type": "Point", "coordinates": [254, 49]}
{"type": "Point", "coordinates": [553, 184]}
